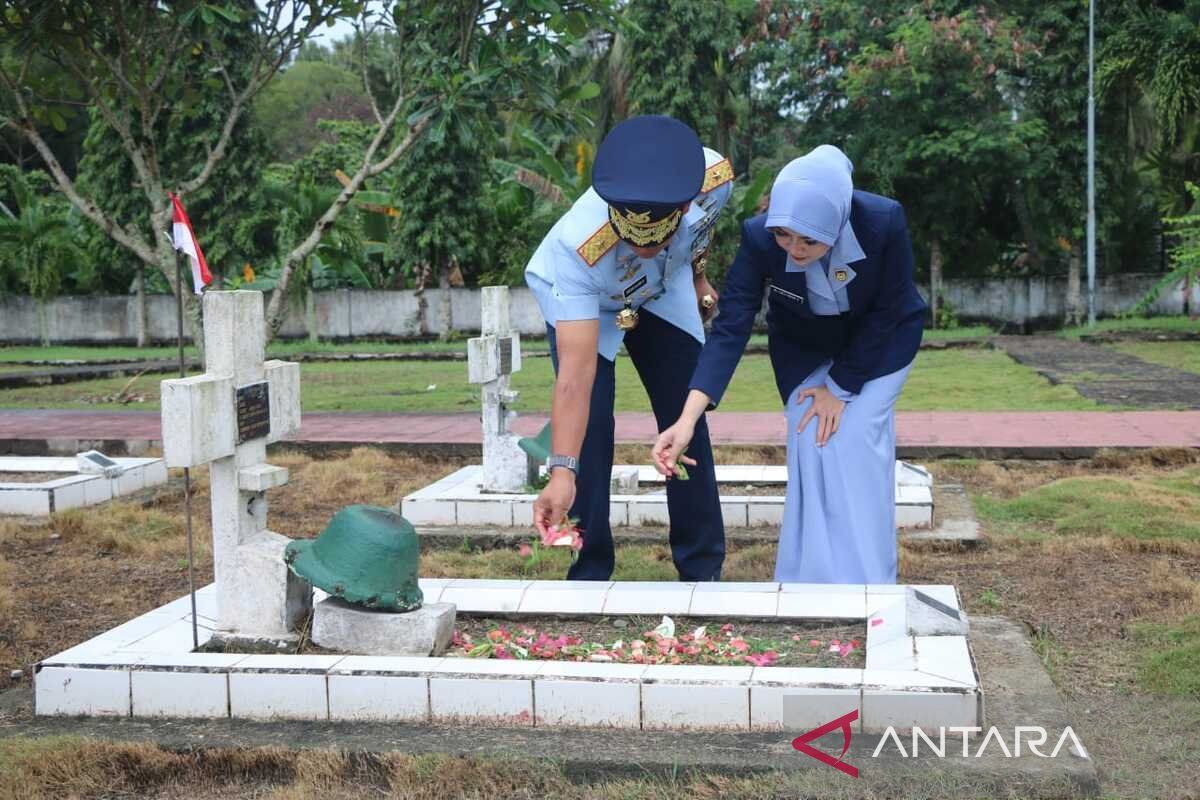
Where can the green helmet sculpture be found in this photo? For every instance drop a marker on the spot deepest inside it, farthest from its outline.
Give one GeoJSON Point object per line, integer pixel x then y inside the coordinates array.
{"type": "Point", "coordinates": [366, 555]}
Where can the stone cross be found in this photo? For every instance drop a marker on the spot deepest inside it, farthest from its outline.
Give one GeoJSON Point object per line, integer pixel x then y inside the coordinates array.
{"type": "Point", "coordinates": [491, 358]}
{"type": "Point", "coordinates": [225, 418]}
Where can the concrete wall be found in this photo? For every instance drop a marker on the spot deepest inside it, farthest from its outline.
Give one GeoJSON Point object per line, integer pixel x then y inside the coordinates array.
{"type": "Point", "coordinates": [349, 313]}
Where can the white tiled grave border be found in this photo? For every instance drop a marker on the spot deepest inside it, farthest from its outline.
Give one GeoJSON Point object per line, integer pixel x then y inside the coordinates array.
{"type": "Point", "coordinates": [458, 499]}
{"type": "Point", "coordinates": [145, 668]}
{"type": "Point", "coordinates": [75, 490]}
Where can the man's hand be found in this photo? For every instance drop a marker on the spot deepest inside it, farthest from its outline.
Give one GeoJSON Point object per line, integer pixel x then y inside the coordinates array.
{"type": "Point", "coordinates": [705, 289]}
{"type": "Point", "coordinates": [826, 408]}
{"type": "Point", "coordinates": [554, 501]}
{"type": "Point", "coordinates": [671, 446]}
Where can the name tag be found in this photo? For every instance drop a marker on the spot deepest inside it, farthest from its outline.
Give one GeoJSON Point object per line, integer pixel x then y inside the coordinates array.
{"type": "Point", "coordinates": [785, 293]}
{"type": "Point", "coordinates": [633, 287]}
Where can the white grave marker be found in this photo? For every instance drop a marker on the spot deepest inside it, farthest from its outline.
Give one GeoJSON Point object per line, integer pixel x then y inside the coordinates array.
{"type": "Point", "coordinates": [491, 358]}
{"type": "Point", "coordinates": [225, 418]}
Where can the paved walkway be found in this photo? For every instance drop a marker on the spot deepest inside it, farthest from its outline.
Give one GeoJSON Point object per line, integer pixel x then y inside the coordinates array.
{"type": "Point", "coordinates": [994, 434]}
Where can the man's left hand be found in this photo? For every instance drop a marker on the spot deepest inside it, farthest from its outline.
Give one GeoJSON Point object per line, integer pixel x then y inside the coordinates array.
{"type": "Point", "coordinates": [826, 408]}
{"type": "Point", "coordinates": [705, 289]}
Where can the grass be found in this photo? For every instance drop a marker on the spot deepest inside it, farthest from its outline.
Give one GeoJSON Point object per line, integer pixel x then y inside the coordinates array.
{"type": "Point", "coordinates": [1171, 657]}
{"type": "Point", "coordinates": [1179, 355]}
{"type": "Point", "coordinates": [1161, 507]}
{"type": "Point", "coordinates": [958, 380]}
{"type": "Point", "coordinates": [1166, 324]}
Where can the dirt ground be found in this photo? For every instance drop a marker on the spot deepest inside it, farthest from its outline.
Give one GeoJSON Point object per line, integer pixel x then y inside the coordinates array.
{"type": "Point", "coordinates": [71, 577]}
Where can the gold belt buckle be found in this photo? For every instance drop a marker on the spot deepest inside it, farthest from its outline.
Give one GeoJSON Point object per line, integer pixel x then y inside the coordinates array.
{"type": "Point", "coordinates": [627, 319]}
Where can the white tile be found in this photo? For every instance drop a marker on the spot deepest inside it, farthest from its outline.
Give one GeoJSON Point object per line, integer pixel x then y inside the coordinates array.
{"type": "Point", "coordinates": [98, 490]}
{"type": "Point", "coordinates": [290, 663]}
{"type": "Point", "coordinates": [129, 481]}
{"type": "Point", "coordinates": [394, 665]}
{"type": "Point", "coordinates": [808, 677]}
{"type": "Point", "coordinates": [565, 597]}
{"type": "Point", "coordinates": [946, 657]}
{"type": "Point", "coordinates": [914, 516]}
{"type": "Point", "coordinates": [738, 586]}
{"type": "Point", "coordinates": [805, 708]}
{"type": "Point", "coordinates": [727, 600]}
{"type": "Point", "coordinates": [156, 473]}
{"type": "Point", "coordinates": [487, 597]}
{"type": "Point", "coordinates": [180, 694]}
{"type": "Point", "coordinates": [644, 512]}
{"type": "Point", "coordinates": [428, 512]}
{"type": "Point", "coordinates": [276, 695]}
{"type": "Point", "coordinates": [693, 707]}
{"type": "Point", "coordinates": [487, 667]}
{"type": "Point", "coordinates": [649, 597]}
{"type": "Point", "coordinates": [909, 680]}
{"type": "Point", "coordinates": [176, 638]}
{"type": "Point", "coordinates": [503, 701]}
{"type": "Point", "coordinates": [32, 502]}
{"type": "Point", "coordinates": [139, 628]}
{"type": "Point", "coordinates": [484, 512]}
{"type": "Point", "coordinates": [888, 624]}
{"type": "Point", "coordinates": [431, 588]}
{"type": "Point", "coordinates": [883, 708]}
{"type": "Point", "coordinates": [593, 671]}
{"type": "Point", "coordinates": [522, 511]}
{"type": "Point", "coordinates": [68, 497]}
{"type": "Point", "coordinates": [897, 654]}
{"type": "Point", "coordinates": [763, 513]}
{"type": "Point", "coordinates": [591, 704]}
{"type": "Point", "coordinates": [68, 691]}
{"type": "Point", "coordinates": [822, 601]}
{"type": "Point", "coordinates": [618, 513]}
{"type": "Point", "coordinates": [733, 512]}
{"type": "Point", "coordinates": [696, 674]}
{"type": "Point", "coordinates": [381, 698]}
{"type": "Point", "coordinates": [192, 662]}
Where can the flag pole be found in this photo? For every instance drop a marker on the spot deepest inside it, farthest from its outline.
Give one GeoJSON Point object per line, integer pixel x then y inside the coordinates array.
{"type": "Point", "coordinates": [187, 473]}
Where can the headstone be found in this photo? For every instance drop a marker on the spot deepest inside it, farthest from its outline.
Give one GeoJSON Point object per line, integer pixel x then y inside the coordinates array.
{"type": "Point", "coordinates": [350, 628]}
{"type": "Point", "coordinates": [94, 462]}
{"type": "Point", "coordinates": [225, 418]}
{"type": "Point", "coordinates": [491, 358]}
{"type": "Point", "coordinates": [928, 616]}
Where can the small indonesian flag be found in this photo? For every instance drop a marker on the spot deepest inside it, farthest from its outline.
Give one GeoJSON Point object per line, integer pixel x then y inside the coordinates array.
{"type": "Point", "coordinates": [185, 241]}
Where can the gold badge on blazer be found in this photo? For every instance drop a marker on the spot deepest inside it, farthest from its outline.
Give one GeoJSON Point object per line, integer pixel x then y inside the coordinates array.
{"type": "Point", "coordinates": [841, 275]}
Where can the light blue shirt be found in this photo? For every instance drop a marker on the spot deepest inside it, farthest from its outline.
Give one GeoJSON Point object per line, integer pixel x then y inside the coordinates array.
{"type": "Point", "coordinates": [566, 287]}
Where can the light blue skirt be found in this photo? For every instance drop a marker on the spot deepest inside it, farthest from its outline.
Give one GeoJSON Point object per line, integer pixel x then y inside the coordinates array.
{"type": "Point", "coordinates": [839, 519]}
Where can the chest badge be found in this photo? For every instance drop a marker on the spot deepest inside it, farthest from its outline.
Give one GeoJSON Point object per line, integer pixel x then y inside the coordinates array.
{"type": "Point", "coordinates": [630, 270]}
{"type": "Point", "coordinates": [841, 275]}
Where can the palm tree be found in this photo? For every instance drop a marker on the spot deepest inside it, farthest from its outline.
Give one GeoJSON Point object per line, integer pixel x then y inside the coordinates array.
{"type": "Point", "coordinates": [37, 246]}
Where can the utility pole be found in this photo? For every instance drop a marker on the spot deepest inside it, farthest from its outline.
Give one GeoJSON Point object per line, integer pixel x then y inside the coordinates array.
{"type": "Point", "coordinates": [1091, 165]}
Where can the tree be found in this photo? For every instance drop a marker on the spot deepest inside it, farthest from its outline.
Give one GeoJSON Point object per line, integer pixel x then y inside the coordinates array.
{"type": "Point", "coordinates": [290, 106]}
{"type": "Point", "coordinates": [38, 245]}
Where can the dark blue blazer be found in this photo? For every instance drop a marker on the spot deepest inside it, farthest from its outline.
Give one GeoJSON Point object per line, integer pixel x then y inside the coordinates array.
{"type": "Point", "coordinates": [877, 336]}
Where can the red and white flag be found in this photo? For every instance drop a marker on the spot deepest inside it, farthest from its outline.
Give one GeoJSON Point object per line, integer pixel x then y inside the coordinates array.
{"type": "Point", "coordinates": [185, 241]}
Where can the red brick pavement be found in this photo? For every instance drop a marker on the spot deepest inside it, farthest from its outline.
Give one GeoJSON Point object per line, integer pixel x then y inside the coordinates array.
{"type": "Point", "coordinates": [940, 431]}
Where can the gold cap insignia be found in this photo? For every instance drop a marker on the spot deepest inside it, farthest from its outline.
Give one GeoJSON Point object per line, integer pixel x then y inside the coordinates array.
{"type": "Point", "coordinates": [599, 243]}
{"type": "Point", "coordinates": [718, 174]}
{"type": "Point", "coordinates": [637, 229]}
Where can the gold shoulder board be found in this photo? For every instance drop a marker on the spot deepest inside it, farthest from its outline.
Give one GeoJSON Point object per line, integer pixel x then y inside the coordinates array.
{"type": "Point", "coordinates": [718, 174]}
{"type": "Point", "coordinates": [599, 243]}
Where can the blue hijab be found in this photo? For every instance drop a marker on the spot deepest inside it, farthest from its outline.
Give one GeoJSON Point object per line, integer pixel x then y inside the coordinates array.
{"type": "Point", "coordinates": [811, 196]}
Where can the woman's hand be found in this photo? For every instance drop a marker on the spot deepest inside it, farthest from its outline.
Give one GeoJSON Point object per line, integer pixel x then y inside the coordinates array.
{"type": "Point", "coordinates": [826, 408]}
{"type": "Point", "coordinates": [671, 446]}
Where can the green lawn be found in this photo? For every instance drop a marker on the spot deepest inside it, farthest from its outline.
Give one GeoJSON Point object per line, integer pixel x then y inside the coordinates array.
{"type": "Point", "coordinates": [1167, 324]}
{"type": "Point", "coordinates": [1160, 507]}
{"type": "Point", "coordinates": [1180, 355]}
{"type": "Point", "coordinates": [959, 379]}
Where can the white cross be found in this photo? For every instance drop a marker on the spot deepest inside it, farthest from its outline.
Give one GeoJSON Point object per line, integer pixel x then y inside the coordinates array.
{"type": "Point", "coordinates": [257, 596]}
{"type": "Point", "coordinates": [491, 358]}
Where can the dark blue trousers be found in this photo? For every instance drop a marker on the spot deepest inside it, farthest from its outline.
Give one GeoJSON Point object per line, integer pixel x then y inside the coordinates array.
{"type": "Point", "coordinates": [665, 358]}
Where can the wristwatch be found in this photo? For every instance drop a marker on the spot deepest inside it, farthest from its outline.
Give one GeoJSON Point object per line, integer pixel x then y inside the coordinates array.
{"type": "Point", "coordinates": [570, 462]}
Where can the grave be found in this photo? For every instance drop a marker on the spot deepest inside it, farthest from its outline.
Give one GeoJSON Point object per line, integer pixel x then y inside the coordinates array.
{"type": "Point", "coordinates": [499, 491]}
{"type": "Point", "coordinates": [36, 486]}
{"type": "Point", "coordinates": [225, 418]}
{"type": "Point", "coordinates": [918, 670]}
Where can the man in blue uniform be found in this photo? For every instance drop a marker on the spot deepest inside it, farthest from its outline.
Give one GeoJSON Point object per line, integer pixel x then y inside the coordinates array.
{"type": "Point", "coordinates": [626, 264]}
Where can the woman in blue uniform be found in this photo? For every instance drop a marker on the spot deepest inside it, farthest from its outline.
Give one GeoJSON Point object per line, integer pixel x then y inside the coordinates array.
{"type": "Point", "coordinates": [844, 323]}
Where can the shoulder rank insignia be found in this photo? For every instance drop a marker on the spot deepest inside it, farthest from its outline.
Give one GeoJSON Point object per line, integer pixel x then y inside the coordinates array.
{"type": "Point", "coordinates": [718, 174]}
{"type": "Point", "coordinates": [599, 243]}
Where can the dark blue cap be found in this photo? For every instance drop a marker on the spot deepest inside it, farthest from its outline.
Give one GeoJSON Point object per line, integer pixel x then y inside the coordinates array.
{"type": "Point", "coordinates": [650, 163]}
